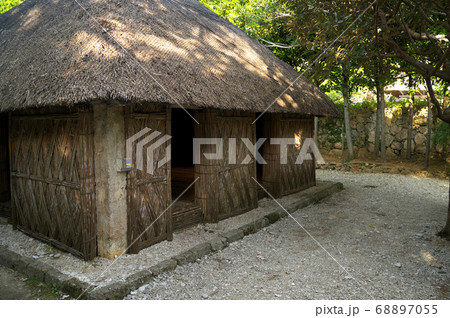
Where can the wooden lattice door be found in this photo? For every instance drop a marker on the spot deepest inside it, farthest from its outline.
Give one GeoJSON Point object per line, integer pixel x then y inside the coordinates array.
{"type": "Point", "coordinates": [149, 195]}
{"type": "Point", "coordinates": [295, 177]}
{"type": "Point", "coordinates": [53, 186]}
{"type": "Point", "coordinates": [225, 189]}
{"type": "Point", "coordinates": [283, 179]}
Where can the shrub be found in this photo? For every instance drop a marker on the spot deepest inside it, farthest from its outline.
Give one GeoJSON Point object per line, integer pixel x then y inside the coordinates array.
{"type": "Point", "coordinates": [441, 133]}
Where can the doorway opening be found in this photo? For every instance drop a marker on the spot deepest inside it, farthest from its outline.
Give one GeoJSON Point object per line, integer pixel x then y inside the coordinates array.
{"type": "Point", "coordinates": [5, 191]}
{"type": "Point", "coordinates": [185, 212]}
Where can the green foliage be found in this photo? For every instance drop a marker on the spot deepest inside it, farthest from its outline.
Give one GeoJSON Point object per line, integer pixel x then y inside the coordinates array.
{"type": "Point", "coordinates": [266, 21]}
{"type": "Point", "coordinates": [257, 18]}
{"type": "Point", "coordinates": [441, 133]}
{"type": "Point", "coordinates": [364, 105]}
{"type": "Point", "coordinates": [5, 5]}
{"type": "Point", "coordinates": [362, 142]}
{"type": "Point", "coordinates": [333, 130]}
{"type": "Point", "coordinates": [418, 104]}
{"type": "Point", "coordinates": [334, 95]}
{"type": "Point", "coordinates": [319, 28]}
{"type": "Point", "coordinates": [45, 291]}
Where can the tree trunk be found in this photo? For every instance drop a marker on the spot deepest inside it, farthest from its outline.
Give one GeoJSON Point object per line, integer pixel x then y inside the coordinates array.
{"type": "Point", "coordinates": [433, 124]}
{"type": "Point", "coordinates": [343, 140]}
{"type": "Point", "coordinates": [377, 122]}
{"type": "Point", "coordinates": [445, 232]}
{"type": "Point", "coordinates": [445, 98]}
{"type": "Point", "coordinates": [410, 121]}
{"type": "Point", "coordinates": [428, 146]}
{"type": "Point", "coordinates": [445, 105]}
{"type": "Point", "coordinates": [348, 128]}
{"type": "Point", "coordinates": [444, 152]}
{"type": "Point", "coordinates": [382, 126]}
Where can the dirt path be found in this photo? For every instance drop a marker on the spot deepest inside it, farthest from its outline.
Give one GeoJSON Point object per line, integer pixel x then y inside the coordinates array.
{"type": "Point", "coordinates": [438, 168]}
{"type": "Point", "coordinates": [380, 229]}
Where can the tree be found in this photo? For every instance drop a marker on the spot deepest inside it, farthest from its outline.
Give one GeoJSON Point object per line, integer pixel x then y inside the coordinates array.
{"type": "Point", "coordinates": [330, 31]}
{"type": "Point", "coordinates": [381, 106]}
{"type": "Point", "coordinates": [380, 78]}
{"type": "Point", "coordinates": [410, 36]}
{"type": "Point", "coordinates": [272, 24]}
{"type": "Point", "coordinates": [345, 77]}
{"type": "Point", "coordinates": [429, 122]}
{"type": "Point", "coordinates": [346, 96]}
{"type": "Point", "coordinates": [410, 117]}
{"type": "Point", "coordinates": [417, 33]}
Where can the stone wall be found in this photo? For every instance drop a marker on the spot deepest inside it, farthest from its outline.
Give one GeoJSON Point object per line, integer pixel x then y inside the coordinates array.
{"type": "Point", "coordinates": [363, 132]}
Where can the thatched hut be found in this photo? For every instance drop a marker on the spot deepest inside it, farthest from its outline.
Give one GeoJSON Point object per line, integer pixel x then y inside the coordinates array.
{"type": "Point", "coordinates": [77, 82]}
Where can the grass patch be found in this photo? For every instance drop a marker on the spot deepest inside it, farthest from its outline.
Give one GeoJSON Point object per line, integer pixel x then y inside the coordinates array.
{"type": "Point", "coordinates": [43, 291]}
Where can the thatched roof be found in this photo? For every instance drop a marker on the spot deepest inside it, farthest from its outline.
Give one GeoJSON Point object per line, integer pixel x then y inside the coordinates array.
{"type": "Point", "coordinates": [53, 53]}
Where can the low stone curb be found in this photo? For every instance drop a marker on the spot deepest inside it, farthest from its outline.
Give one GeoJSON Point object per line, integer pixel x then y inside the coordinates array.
{"type": "Point", "coordinates": [118, 290]}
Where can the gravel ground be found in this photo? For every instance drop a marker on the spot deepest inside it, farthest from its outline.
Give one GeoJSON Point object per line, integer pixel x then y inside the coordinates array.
{"type": "Point", "coordinates": [93, 272]}
{"type": "Point", "coordinates": [380, 229]}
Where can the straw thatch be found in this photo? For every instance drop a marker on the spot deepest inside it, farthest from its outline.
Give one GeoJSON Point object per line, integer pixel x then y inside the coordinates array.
{"type": "Point", "coordinates": [53, 53]}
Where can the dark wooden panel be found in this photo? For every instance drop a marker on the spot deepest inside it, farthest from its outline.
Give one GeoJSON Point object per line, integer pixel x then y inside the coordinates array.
{"type": "Point", "coordinates": [149, 195]}
{"type": "Point", "coordinates": [271, 153]}
{"type": "Point", "coordinates": [4, 159]}
{"type": "Point", "coordinates": [283, 179]}
{"type": "Point", "coordinates": [186, 216]}
{"type": "Point", "coordinates": [53, 180]}
{"type": "Point", "coordinates": [295, 177]}
{"type": "Point", "coordinates": [87, 181]}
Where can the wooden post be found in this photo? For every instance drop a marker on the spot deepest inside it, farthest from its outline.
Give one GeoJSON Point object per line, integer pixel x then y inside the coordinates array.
{"type": "Point", "coordinates": [316, 130]}
{"type": "Point", "coordinates": [169, 217]}
{"type": "Point", "coordinates": [111, 197]}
